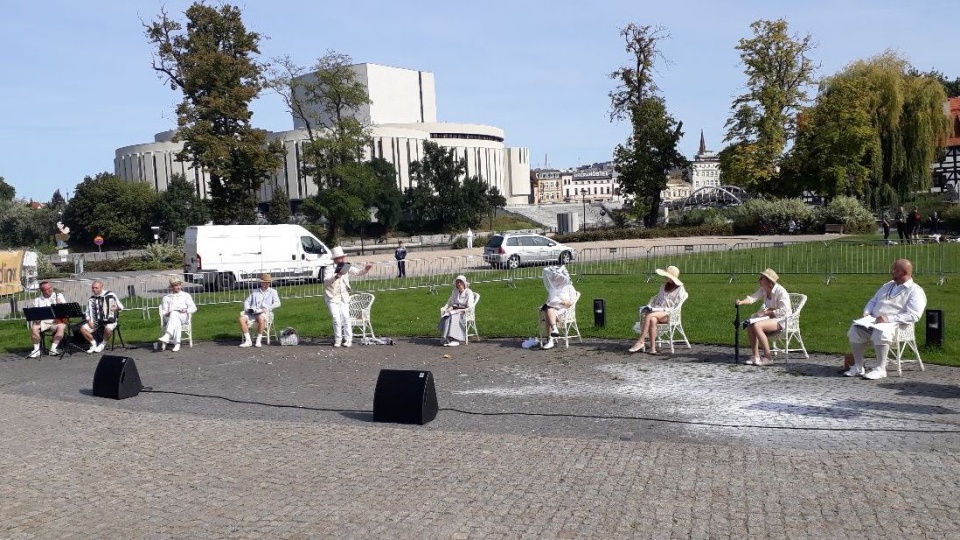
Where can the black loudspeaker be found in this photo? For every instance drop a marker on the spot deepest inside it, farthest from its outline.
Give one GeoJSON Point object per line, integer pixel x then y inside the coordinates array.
{"type": "Point", "coordinates": [934, 327]}
{"type": "Point", "coordinates": [116, 378]}
{"type": "Point", "coordinates": [599, 312]}
{"type": "Point", "coordinates": [405, 397]}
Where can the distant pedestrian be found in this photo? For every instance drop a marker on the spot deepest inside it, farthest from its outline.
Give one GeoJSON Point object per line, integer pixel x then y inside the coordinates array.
{"type": "Point", "coordinates": [885, 225]}
{"type": "Point", "coordinates": [401, 255]}
{"type": "Point", "coordinates": [914, 221]}
{"type": "Point", "coordinates": [792, 227]}
{"type": "Point", "coordinates": [901, 219]}
{"type": "Point", "coordinates": [469, 238]}
{"type": "Point", "coordinates": [935, 223]}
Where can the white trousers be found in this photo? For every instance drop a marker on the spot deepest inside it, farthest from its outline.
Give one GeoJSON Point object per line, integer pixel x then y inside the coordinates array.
{"type": "Point", "coordinates": [881, 344]}
{"type": "Point", "coordinates": [174, 324]}
{"type": "Point", "coordinates": [341, 321]}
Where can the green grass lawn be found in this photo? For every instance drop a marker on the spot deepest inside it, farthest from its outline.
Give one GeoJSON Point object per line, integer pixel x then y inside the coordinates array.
{"type": "Point", "coordinates": [508, 312]}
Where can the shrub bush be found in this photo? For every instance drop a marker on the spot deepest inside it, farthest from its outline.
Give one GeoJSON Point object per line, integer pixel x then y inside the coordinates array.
{"type": "Point", "coordinates": [951, 219]}
{"type": "Point", "coordinates": [647, 233]}
{"type": "Point", "coordinates": [848, 211]}
{"type": "Point", "coordinates": [771, 216]}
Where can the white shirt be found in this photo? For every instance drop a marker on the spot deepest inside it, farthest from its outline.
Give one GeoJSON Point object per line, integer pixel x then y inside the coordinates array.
{"type": "Point", "coordinates": [898, 303]}
{"type": "Point", "coordinates": [337, 289]}
{"type": "Point", "coordinates": [262, 300]}
{"type": "Point", "coordinates": [179, 302]}
{"type": "Point", "coordinates": [778, 301]}
{"type": "Point", "coordinates": [47, 301]}
{"type": "Point", "coordinates": [664, 299]}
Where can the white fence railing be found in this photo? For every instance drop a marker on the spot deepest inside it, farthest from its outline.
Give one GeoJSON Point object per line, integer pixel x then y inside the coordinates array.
{"type": "Point", "coordinates": [142, 292]}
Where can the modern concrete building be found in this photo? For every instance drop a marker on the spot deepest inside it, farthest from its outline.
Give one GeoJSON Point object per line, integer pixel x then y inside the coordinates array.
{"type": "Point", "coordinates": [402, 116]}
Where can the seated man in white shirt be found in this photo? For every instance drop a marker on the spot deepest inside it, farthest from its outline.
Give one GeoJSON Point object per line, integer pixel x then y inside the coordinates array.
{"type": "Point", "coordinates": [899, 301]}
{"type": "Point", "coordinates": [175, 309]}
{"type": "Point", "coordinates": [103, 308]}
{"type": "Point", "coordinates": [47, 298]}
{"type": "Point", "coordinates": [257, 309]}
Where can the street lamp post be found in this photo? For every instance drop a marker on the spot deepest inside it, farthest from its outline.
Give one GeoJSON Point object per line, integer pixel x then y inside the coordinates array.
{"type": "Point", "coordinates": [583, 193]}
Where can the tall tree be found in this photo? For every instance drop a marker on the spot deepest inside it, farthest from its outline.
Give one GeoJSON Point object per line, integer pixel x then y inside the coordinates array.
{"type": "Point", "coordinates": [212, 61]}
{"type": "Point", "coordinates": [327, 102]}
{"type": "Point", "coordinates": [57, 202]}
{"type": "Point", "coordinates": [106, 205]}
{"type": "Point", "coordinates": [388, 199]}
{"type": "Point", "coordinates": [7, 192]}
{"type": "Point", "coordinates": [180, 207]}
{"type": "Point", "coordinates": [951, 86]}
{"type": "Point", "coordinates": [651, 149]}
{"type": "Point", "coordinates": [279, 207]}
{"type": "Point", "coordinates": [763, 119]}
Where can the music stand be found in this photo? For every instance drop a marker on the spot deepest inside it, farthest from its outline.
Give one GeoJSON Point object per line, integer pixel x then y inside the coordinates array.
{"type": "Point", "coordinates": [44, 313]}
{"type": "Point", "coordinates": [736, 337]}
{"type": "Point", "coordinates": [69, 310]}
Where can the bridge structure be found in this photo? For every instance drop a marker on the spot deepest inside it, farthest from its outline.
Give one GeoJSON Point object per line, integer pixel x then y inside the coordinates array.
{"type": "Point", "coordinates": [711, 197]}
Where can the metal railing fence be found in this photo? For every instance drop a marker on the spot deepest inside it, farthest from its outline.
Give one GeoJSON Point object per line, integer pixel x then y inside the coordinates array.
{"type": "Point", "coordinates": [143, 292]}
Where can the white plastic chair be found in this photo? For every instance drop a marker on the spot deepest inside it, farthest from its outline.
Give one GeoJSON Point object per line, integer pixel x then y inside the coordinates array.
{"type": "Point", "coordinates": [186, 330]}
{"type": "Point", "coordinates": [667, 332]}
{"type": "Point", "coordinates": [268, 330]}
{"type": "Point", "coordinates": [905, 338]}
{"type": "Point", "coordinates": [470, 319]}
{"type": "Point", "coordinates": [566, 324]}
{"type": "Point", "coordinates": [780, 341]}
{"type": "Point", "coordinates": [360, 305]}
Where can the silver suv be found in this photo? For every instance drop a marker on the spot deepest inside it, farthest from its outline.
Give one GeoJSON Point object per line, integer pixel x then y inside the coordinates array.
{"type": "Point", "coordinates": [511, 250]}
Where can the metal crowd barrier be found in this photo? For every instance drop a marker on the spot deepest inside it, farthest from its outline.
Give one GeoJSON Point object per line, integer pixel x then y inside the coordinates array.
{"type": "Point", "coordinates": [143, 292]}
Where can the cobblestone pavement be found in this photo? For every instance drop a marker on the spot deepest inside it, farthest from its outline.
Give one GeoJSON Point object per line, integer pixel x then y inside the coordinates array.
{"type": "Point", "coordinates": [589, 442]}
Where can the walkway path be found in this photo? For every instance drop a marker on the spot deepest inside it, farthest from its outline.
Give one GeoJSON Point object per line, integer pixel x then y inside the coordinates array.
{"type": "Point", "coordinates": [589, 442]}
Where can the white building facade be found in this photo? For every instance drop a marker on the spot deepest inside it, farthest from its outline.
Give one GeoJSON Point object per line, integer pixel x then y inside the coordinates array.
{"type": "Point", "coordinates": [402, 116]}
{"type": "Point", "coordinates": [597, 182]}
{"type": "Point", "coordinates": [705, 168]}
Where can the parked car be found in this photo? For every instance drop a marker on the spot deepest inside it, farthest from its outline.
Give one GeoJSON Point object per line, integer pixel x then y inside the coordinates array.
{"type": "Point", "coordinates": [512, 250]}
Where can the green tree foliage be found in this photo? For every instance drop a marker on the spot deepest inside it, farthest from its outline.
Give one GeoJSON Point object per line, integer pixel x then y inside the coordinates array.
{"type": "Point", "coordinates": [443, 197]}
{"type": "Point", "coordinates": [180, 207]}
{"type": "Point", "coordinates": [212, 63]}
{"type": "Point", "coordinates": [57, 202]}
{"type": "Point", "coordinates": [763, 120]}
{"type": "Point", "coordinates": [279, 207]}
{"type": "Point", "coordinates": [106, 205]}
{"type": "Point", "coordinates": [327, 102]}
{"type": "Point", "coordinates": [651, 149]}
{"type": "Point", "coordinates": [950, 86]}
{"type": "Point", "coordinates": [872, 134]}
{"type": "Point", "coordinates": [23, 226]}
{"type": "Point", "coordinates": [389, 199]}
{"type": "Point", "coordinates": [7, 192]}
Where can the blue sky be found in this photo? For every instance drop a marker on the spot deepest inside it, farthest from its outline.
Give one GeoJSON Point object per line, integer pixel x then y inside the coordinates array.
{"type": "Point", "coordinates": [76, 82]}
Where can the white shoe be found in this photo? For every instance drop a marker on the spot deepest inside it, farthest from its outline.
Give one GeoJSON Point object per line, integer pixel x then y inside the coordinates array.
{"type": "Point", "coordinates": [53, 351]}
{"type": "Point", "coordinates": [258, 344]}
{"type": "Point", "coordinates": [549, 344]}
{"type": "Point", "coordinates": [176, 347]}
{"type": "Point", "coordinates": [348, 344]}
{"type": "Point", "coordinates": [452, 343]}
{"type": "Point", "coordinates": [101, 346]}
{"type": "Point", "coordinates": [35, 353]}
{"type": "Point", "coordinates": [164, 338]}
{"type": "Point", "coordinates": [853, 371]}
{"type": "Point", "coordinates": [336, 343]}
{"type": "Point", "coordinates": [247, 344]}
{"type": "Point", "coordinates": [93, 348]}
{"type": "Point", "coordinates": [875, 373]}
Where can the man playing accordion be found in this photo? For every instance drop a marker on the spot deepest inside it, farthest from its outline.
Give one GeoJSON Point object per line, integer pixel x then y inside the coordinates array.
{"type": "Point", "coordinates": [102, 310]}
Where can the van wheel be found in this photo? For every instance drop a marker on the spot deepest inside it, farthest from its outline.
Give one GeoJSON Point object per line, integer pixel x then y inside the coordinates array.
{"type": "Point", "coordinates": [226, 280]}
{"type": "Point", "coordinates": [513, 262]}
{"type": "Point", "coordinates": [566, 257]}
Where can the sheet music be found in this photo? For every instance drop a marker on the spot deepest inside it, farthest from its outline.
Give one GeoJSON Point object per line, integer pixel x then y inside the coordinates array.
{"type": "Point", "coordinates": [869, 322]}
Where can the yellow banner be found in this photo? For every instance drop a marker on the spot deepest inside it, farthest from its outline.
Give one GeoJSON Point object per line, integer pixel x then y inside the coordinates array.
{"type": "Point", "coordinates": [11, 264]}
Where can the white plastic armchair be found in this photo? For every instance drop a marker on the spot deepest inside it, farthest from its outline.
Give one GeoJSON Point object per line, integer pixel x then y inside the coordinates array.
{"type": "Point", "coordinates": [186, 329]}
{"type": "Point", "coordinates": [360, 305]}
{"type": "Point", "coordinates": [791, 330]}
{"type": "Point", "coordinates": [670, 332]}
{"type": "Point", "coordinates": [566, 324]}
{"type": "Point", "coordinates": [470, 319]}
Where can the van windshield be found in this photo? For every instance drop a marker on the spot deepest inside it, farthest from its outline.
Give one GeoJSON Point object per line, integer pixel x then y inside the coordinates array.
{"type": "Point", "coordinates": [310, 245]}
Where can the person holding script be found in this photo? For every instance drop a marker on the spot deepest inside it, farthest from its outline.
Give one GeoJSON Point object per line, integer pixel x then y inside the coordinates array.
{"type": "Point", "coordinates": [769, 320]}
{"type": "Point", "coordinates": [899, 301]}
{"type": "Point", "coordinates": [336, 293]}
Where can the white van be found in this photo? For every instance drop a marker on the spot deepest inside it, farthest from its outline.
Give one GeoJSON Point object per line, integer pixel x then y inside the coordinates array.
{"type": "Point", "coordinates": [219, 256]}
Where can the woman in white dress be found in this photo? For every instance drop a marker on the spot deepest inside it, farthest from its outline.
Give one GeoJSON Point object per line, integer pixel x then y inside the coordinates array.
{"type": "Point", "coordinates": [561, 296]}
{"type": "Point", "coordinates": [671, 294]}
{"type": "Point", "coordinates": [769, 320]}
{"type": "Point", "coordinates": [453, 324]}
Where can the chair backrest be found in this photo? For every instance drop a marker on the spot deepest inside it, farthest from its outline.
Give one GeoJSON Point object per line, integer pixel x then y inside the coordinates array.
{"type": "Point", "coordinates": [360, 304]}
{"type": "Point", "coordinates": [570, 314]}
{"type": "Point", "coordinates": [797, 301]}
{"type": "Point", "coordinates": [471, 313]}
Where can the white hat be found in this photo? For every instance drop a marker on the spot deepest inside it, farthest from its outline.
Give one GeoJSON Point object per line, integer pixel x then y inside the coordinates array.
{"type": "Point", "coordinates": [337, 251]}
{"type": "Point", "coordinates": [672, 273]}
{"type": "Point", "coordinates": [771, 275]}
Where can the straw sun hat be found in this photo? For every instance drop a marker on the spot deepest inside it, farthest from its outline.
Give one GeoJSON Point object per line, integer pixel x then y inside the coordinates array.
{"type": "Point", "coordinates": [672, 273]}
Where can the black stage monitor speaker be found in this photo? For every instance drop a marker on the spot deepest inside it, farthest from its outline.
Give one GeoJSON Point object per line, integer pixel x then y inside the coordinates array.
{"type": "Point", "coordinates": [405, 396]}
{"type": "Point", "coordinates": [116, 378]}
